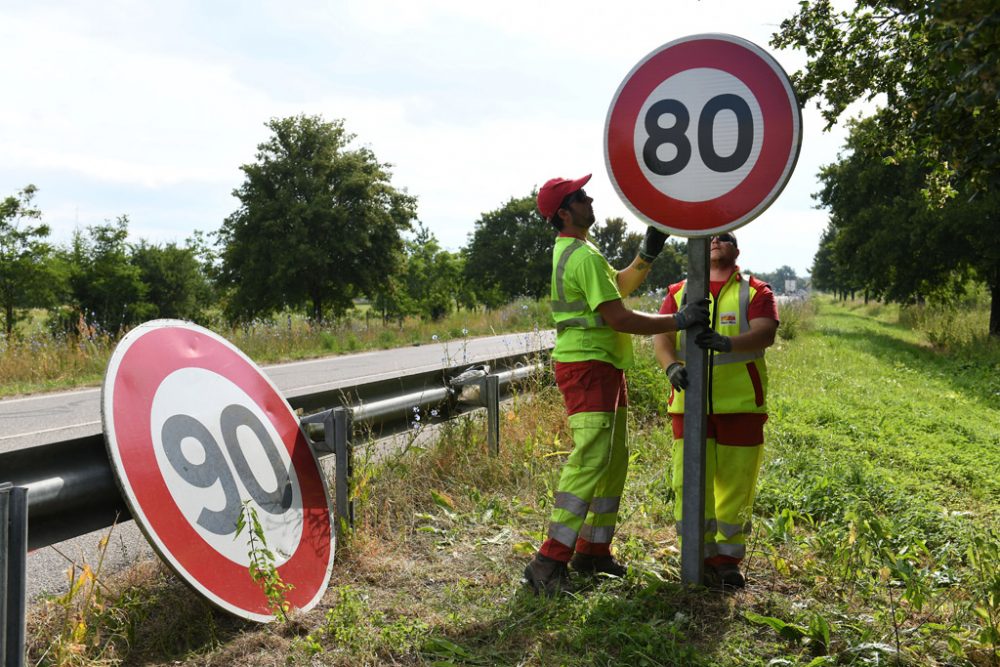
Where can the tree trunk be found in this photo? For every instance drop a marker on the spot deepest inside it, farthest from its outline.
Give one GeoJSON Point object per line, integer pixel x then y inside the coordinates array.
{"type": "Point", "coordinates": [995, 302]}
{"type": "Point", "coordinates": [9, 322]}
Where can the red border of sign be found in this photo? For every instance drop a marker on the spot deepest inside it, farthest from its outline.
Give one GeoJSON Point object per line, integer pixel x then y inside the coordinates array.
{"type": "Point", "coordinates": [148, 360]}
{"type": "Point", "coordinates": [779, 151]}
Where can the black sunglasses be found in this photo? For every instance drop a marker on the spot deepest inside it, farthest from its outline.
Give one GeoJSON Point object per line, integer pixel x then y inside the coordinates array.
{"type": "Point", "coordinates": [572, 197]}
{"type": "Point", "coordinates": [724, 238]}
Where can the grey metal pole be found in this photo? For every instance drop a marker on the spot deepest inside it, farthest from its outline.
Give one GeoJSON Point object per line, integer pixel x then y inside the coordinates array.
{"type": "Point", "coordinates": [491, 388]}
{"type": "Point", "coordinates": [340, 426]}
{"type": "Point", "coordinates": [695, 423]}
{"type": "Point", "coordinates": [17, 572]}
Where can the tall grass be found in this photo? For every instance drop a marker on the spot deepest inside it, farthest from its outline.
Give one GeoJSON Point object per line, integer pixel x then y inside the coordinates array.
{"type": "Point", "coordinates": [39, 361]}
{"type": "Point", "coordinates": [36, 360]}
{"type": "Point", "coordinates": [876, 534]}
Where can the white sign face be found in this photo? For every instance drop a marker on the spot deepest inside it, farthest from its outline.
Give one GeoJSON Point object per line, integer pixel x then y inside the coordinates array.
{"type": "Point", "coordinates": [197, 434]}
{"type": "Point", "coordinates": [702, 135]}
{"type": "Point", "coordinates": [218, 440]}
{"type": "Point", "coordinates": [738, 136]}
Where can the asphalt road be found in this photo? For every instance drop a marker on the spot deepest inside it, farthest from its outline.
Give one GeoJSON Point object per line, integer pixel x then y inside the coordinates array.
{"type": "Point", "coordinates": [44, 418]}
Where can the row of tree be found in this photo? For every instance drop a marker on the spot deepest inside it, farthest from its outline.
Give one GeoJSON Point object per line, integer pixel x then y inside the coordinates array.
{"type": "Point", "coordinates": [915, 199]}
{"type": "Point", "coordinates": [319, 226]}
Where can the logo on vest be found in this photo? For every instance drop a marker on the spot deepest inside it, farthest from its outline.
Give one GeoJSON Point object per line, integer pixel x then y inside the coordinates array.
{"type": "Point", "coordinates": [727, 319]}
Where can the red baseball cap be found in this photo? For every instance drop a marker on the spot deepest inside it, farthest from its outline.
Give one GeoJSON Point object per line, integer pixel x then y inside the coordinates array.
{"type": "Point", "coordinates": [554, 191]}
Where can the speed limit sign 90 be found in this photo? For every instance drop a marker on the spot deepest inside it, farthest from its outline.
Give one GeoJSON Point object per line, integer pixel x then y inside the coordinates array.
{"type": "Point", "coordinates": [197, 433]}
{"type": "Point", "coordinates": [702, 135]}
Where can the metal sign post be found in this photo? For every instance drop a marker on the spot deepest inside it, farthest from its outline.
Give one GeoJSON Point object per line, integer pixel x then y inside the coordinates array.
{"type": "Point", "coordinates": [695, 423]}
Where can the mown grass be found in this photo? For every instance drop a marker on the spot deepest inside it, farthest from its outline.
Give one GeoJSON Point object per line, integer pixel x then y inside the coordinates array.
{"type": "Point", "coordinates": [876, 539]}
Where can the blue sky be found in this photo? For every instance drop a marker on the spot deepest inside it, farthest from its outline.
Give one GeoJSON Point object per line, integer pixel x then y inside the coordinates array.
{"type": "Point", "coordinates": [149, 108]}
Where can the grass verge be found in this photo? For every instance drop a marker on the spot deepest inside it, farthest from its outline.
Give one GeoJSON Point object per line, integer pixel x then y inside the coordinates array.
{"type": "Point", "coordinates": [876, 537]}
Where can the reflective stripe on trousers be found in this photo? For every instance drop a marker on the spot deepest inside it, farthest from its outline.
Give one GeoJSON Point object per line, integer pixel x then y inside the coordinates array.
{"type": "Point", "coordinates": [731, 480]}
{"type": "Point", "coordinates": [590, 486]}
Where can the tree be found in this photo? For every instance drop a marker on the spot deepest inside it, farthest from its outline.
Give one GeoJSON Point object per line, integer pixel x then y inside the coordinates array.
{"type": "Point", "coordinates": [884, 239]}
{"type": "Point", "coordinates": [670, 267]}
{"type": "Point", "coordinates": [28, 278]}
{"type": "Point", "coordinates": [618, 245]}
{"type": "Point", "coordinates": [432, 277]}
{"type": "Point", "coordinates": [319, 223]}
{"type": "Point", "coordinates": [177, 286]}
{"type": "Point", "coordinates": [777, 278]}
{"type": "Point", "coordinates": [937, 63]}
{"type": "Point", "coordinates": [105, 286]}
{"type": "Point", "coordinates": [509, 254]}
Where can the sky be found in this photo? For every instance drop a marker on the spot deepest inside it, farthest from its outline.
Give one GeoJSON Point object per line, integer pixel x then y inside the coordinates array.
{"type": "Point", "coordinates": [149, 108]}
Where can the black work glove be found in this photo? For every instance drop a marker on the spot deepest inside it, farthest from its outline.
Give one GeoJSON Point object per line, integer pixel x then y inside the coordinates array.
{"type": "Point", "coordinates": [652, 244]}
{"type": "Point", "coordinates": [711, 340]}
{"type": "Point", "coordinates": [692, 314]}
{"type": "Point", "coordinates": [677, 375]}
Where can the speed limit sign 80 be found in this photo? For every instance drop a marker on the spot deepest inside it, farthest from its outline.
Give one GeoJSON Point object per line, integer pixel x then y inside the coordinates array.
{"type": "Point", "coordinates": [702, 135]}
{"type": "Point", "coordinates": [196, 432]}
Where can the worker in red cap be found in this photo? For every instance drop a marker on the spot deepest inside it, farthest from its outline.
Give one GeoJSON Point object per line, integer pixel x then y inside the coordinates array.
{"type": "Point", "coordinates": [592, 351]}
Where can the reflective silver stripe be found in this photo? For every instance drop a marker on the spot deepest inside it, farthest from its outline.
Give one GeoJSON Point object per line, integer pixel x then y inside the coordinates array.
{"type": "Point", "coordinates": [731, 530]}
{"type": "Point", "coordinates": [722, 358]}
{"type": "Point", "coordinates": [744, 305]}
{"type": "Point", "coordinates": [605, 505]}
{"type": "Point", "coordinates": [583, 322]}
{"type": "Point", "coordinates": [572, 504]}
{"type": "Point", "coordinates": [561, 269]}
{"type": "Point", "coordinates": [562, 534]}
{"type": "Point", "coordinates": [568, 307]}
{"type": "Point", "coordinates": [734, 550]}
{"type": "Point", "coordinates": [711, 527]}
{"type": "Point", "coordinates": [597, 534]}
{"type": "Point", "coordinates": [561, 305]}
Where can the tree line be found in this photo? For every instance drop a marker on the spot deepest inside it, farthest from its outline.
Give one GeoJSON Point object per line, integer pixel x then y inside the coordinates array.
{"type": "Point", "coordinates": [318, 226]}
{"type": "Point", "coordinates": [914, 200]}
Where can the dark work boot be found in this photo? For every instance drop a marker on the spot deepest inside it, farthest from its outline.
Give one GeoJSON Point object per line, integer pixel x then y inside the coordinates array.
{"type": "Point", "coordinates": [546, 576]}
{"type": "Point", "coordinates": [730, 576]}
{"type": "Point", "coordinates": [724, 577]}
{"type": "Point", "coordinates": [606, 564]}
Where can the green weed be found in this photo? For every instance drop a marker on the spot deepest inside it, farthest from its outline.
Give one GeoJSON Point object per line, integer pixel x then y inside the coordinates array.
{"type": "Point", "coordinates": [262, 568]}
{"type": "Point", "coordinates": [875, 540]}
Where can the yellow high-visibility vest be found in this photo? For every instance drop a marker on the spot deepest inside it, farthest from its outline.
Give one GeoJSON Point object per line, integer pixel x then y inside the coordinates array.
{"type": "Point", "coordinates": [738, 380]}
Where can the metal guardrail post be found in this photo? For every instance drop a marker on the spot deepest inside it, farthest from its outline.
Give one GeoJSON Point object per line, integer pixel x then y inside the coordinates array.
{"type": "Point", "coordinates": [338, 431]}
{"type": "Point", "coordinates": [4, 522]}
{"type": "Point", "coordinates": [13, 573]}
{"type": "Point", "coordinates": [490, 386]}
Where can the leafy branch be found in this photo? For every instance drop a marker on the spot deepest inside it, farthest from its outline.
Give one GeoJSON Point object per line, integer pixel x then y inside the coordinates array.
{"type": "Point", "coordinates": [263, 571]}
